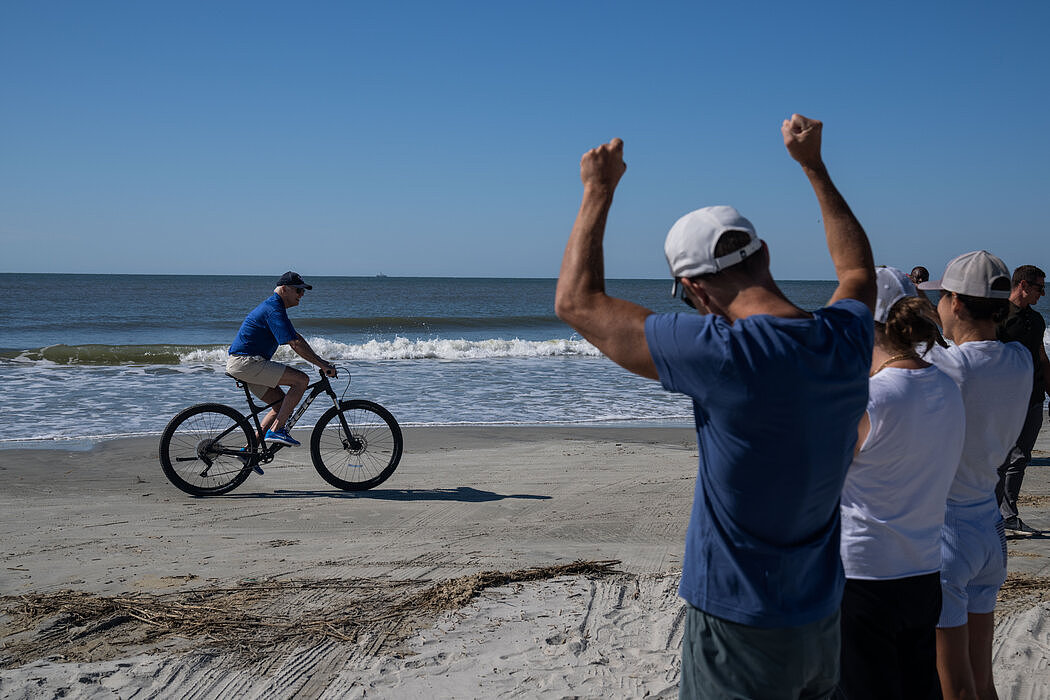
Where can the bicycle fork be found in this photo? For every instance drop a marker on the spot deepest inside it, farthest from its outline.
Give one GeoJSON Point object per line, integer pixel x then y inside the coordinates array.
{"type": "Point", "coordinates": [350, 442]}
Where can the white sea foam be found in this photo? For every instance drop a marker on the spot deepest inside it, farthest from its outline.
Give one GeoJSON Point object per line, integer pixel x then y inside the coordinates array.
{"type": "Point", "coordinates": [435, 349]}
{"type": "Point", "coordinates": [481, 383]}
{"type": "Point", "coordinates": [405, 349]}
{"type": "Point", "coordinates": [204, 356]}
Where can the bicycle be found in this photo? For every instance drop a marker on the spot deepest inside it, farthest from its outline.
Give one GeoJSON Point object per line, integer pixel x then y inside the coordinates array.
{"type": "Point", "coordinates": [210, 448]}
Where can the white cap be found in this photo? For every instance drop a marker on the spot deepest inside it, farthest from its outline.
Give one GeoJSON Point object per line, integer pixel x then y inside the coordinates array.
{"type": "Point", "coordinates": [973, 274]}
{"type": "Point", "coordinates": [690, 244]}
{"type": "Point", "coordinates": [893, 286]}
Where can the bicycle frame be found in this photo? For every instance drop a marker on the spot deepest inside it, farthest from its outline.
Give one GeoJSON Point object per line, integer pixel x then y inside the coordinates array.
{"type": "Point", "coordinates": [321, 386]}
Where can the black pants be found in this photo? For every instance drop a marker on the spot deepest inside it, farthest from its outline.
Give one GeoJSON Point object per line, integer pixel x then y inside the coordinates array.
{"type": "Point", "coordinates": [889, 638]}
{"type": "Point", "coordinates": [1011, 473]}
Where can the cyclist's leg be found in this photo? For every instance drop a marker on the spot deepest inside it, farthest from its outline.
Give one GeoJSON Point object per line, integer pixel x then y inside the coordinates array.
{"type": "Point", "coordinates": [271, 396]}
{"type": "Point", "coordinates": [296, 382]}
{"type": "Point", "coordinates": [263, 378]}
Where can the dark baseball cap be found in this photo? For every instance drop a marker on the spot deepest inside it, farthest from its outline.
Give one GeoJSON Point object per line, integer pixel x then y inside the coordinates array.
{"type": "Point", "coordinates": [292, 279]}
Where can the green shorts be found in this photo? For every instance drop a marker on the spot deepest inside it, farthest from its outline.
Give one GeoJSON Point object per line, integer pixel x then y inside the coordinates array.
{"type": "Point", "coordinates": [723, 659]}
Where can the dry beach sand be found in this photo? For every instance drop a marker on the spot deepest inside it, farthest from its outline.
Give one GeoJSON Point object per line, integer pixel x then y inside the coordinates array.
{"type": "Point", "coordinates": [496, 562]}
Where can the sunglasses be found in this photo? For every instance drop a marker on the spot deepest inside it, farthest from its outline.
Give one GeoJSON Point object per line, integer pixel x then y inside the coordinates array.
{"type": "Point", "coordinates": [679, 291]}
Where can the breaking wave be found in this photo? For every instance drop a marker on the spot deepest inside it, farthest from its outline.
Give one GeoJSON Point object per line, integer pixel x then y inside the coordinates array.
{"type": "Point", "coordinates": [396, 349]}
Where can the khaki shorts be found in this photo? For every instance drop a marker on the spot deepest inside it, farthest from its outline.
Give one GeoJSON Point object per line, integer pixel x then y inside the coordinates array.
{"type": "Point", "coordinates": [256, 371]}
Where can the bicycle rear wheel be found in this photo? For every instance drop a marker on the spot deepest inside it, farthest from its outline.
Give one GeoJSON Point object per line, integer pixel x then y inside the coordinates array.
{"type": "Point", "coordinates": [363, 458]}
{"type": "Point", "coordinates": [199, 446]}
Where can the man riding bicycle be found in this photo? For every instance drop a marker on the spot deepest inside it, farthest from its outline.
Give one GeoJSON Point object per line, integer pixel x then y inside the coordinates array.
{"type": "Point", "coordinates": [264, 329]}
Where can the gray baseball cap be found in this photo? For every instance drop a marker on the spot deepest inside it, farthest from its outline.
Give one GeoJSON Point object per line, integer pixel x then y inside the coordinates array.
{"type": "Point", "coordinates": [893, 286]}
{"type": "Point", "coordinates": [974, 274]}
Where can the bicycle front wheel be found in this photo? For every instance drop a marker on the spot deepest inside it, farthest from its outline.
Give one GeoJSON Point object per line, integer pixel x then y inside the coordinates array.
{"type": "Point", "coordinates": [357, 446]}
{"type": "Point", "coordinates": [199, 449]}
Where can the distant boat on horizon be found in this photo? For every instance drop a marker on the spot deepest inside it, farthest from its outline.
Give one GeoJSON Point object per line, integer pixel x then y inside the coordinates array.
{"type": "Point", "coordinates": [380, 275]}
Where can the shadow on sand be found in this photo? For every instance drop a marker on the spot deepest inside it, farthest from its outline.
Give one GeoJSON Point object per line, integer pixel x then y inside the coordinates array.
{"type": "Point", "coordinates": [464, 494]}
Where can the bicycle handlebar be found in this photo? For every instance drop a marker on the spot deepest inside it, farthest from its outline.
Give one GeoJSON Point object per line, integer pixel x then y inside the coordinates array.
{"type": "Point", "coordinates": [325, 377]}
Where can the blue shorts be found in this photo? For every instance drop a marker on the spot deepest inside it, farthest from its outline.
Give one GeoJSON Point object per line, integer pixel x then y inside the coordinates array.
{"type": "Point", "coordinates": [973, 561]}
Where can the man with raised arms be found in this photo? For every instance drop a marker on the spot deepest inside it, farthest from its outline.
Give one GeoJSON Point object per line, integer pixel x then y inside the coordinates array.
{"type": "Point", "coordinates": [777, 393]}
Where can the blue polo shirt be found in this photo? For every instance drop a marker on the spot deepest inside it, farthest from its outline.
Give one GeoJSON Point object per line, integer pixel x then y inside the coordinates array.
{"type": "Point", "coordinates": [776, 403]}
{"type": "Point", "coordinates": [264, 329]}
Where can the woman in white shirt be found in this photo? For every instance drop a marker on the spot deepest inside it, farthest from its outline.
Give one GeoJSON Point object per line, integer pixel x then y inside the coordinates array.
{"type": "Point", "coordinates": [893, 503]}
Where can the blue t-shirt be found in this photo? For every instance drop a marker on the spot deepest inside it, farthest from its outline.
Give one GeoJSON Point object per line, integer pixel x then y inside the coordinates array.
{"type": "Point", "coordinates": [264, 329]}
{"type": "Point", "coordinates": [776, 403]}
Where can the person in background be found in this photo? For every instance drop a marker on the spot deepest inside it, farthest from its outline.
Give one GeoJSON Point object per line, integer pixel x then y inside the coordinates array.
{"type": "Point", "coordinates": [908, 446]}
{"type": "Point", "coordinates": [264, 329]}
{"type": "Point", "coordinates": [1025, 325]}
{"type": "Point", "coordinates": [761, 575]}
{"type": "Point", "coordinates": [995, 379]}
{"type": "Point", "coordinates": [919, 274]}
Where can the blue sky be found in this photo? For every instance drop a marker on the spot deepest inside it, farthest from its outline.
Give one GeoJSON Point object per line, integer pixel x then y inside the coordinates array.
{"type": "Point", "coordinates": [443, 138]}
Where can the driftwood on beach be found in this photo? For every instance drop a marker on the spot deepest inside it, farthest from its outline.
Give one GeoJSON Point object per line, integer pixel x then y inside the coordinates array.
{"type": "Point", "coordinates": [251, 617]}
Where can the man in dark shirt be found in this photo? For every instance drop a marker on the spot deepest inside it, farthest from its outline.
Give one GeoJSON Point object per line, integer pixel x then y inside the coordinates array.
{"type": "Point", "coordinates": [1026, 325]}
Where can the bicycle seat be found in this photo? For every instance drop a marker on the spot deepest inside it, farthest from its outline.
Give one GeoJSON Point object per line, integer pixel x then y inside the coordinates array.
{"type": "Point", "coordinates": [240, 384]}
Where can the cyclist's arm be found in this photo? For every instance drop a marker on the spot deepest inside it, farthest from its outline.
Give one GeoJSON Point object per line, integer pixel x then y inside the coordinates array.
{"type": "Point", "coordinates": [303, 350]}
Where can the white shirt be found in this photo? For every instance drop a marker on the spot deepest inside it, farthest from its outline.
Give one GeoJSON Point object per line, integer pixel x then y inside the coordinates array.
{"type": "Point", "coordinates": [996, 382]}
{"type": "Point", "coordinates": [894, 497]}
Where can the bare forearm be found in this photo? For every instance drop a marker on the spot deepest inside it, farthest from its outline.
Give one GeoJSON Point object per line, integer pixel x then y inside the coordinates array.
{"type": "Point", "coordinates": [303, 350]}
{"type": "Point", "coordinates": [847, 242]}
{"type": "Point", "coordinates": [583, 265]}
{"type": "Point", "coordinates": [614, 326]}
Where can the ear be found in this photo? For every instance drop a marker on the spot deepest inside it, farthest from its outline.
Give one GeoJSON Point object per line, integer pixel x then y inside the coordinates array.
{"type": "Point", "coordinates": [697, 290]}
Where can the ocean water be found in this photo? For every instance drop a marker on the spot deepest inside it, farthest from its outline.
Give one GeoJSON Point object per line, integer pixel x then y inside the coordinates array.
{"type": "Point", "coordinates": [96, 356]}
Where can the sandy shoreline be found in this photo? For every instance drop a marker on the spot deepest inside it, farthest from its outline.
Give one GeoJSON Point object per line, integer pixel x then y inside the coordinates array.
{"type": "Point", "coordinates": [106, 524]}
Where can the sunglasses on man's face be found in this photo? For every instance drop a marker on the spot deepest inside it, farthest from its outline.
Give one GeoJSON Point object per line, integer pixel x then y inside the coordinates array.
{"type": "Point", "coordinates": [682, 295]}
